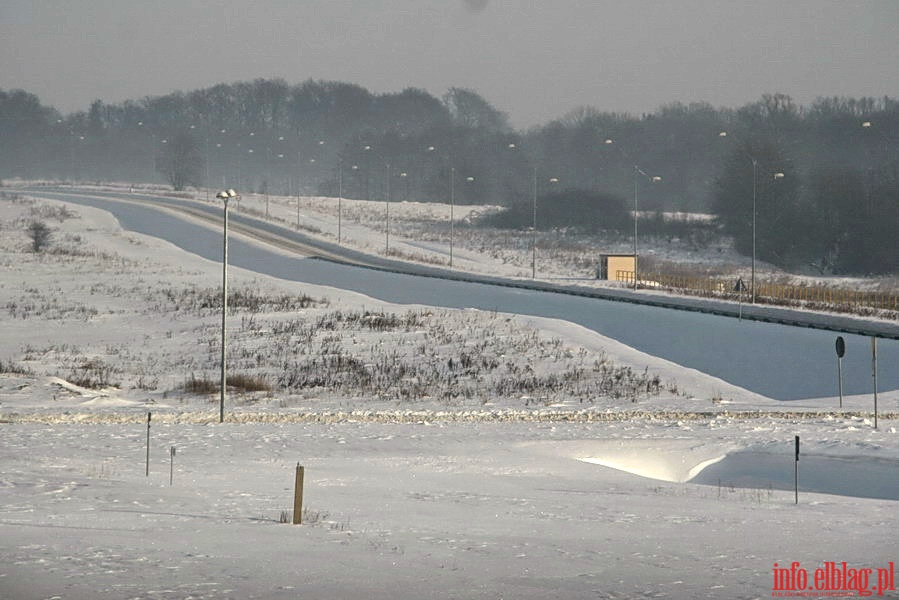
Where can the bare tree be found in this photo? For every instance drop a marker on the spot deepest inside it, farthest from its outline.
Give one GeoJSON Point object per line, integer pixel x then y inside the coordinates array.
{"type": "Point", "coordinates": [180, 161]}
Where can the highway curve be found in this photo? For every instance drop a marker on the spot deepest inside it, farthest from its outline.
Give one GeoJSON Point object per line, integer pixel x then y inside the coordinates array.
{"type": "Point", "coordinates": [294, 241]}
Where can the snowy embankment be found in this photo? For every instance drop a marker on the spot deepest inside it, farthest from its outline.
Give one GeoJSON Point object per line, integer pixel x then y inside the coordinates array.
{"type": "Point", "coordinates": [486, 510]}
{"type": "Point", "coordinates": [423, 479]}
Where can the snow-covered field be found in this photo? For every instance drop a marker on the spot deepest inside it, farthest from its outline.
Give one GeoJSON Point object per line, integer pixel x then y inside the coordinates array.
{"type": "Point", "coordinates": [549, 463]}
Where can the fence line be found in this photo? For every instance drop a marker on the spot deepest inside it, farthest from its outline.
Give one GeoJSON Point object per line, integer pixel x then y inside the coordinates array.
{"type": "Point", "coordinates": [811, 296]}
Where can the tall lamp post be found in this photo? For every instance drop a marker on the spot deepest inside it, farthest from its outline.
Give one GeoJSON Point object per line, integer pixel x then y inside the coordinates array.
{"type": "Point", "coordinates": [367, 149]}
{"type": "Point", "coordinates": [755, 168]}
{"type": "Point", "coordinates": [776, 176]}
{"type": "Point", "coordinates": [534, 230]}
{"type": "Point", "coordinates": [71, 135]}
{"type": "Point", "coordinates": [207, 183]}
{"type": "Point", "coordinates": [513, 146]}
{"type": "Point", "coordinates": [452, 211]}
{"type": "Point", "coordinates": [205, 159]}
{"type": "Point", "coordinates": [534, 226]}
{"type": "Point", "coordinates": [755, 185]}
{"type": "Point", "coordinates": [224, 196]}
{"type": "Point", "coordinates": [221, 158]}
{"type": "Point", "coordinates": [654, 178]}
{"type": "Point", "coordinates": [405, 177]}
{"type": "Point", "coordinates": [339, 197]}
{"type": "Point", "coordinates": [387, 216]}
{"type": "Point", "coordinates": [452, 218]}
{"type": "Point", "coordinates": [452, 203]}
{"type": "Point", "coordinates": [637, 173]}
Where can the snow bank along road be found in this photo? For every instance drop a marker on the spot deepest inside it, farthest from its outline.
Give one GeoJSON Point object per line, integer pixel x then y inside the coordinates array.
{"type": "Point", "coordinates": [775, 360]}
{"type": "Point", "coordinates": [432, 417]}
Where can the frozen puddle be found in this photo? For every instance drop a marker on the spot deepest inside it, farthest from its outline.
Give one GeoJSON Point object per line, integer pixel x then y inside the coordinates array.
{"type": "Point", "coordinates": [681, 461]}
{"type": "Point", "coordinates": [862, 477]}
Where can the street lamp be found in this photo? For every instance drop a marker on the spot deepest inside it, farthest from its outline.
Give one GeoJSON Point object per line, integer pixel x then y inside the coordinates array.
{"type": "Point", "coordinates": [405, 176]}
{"type": "Point", "coordinates": [219, 147]}
{"type": "Point", "coordinates": [205, 159]}
{"type": "Point", "coordinates": [280, 157]}
{"type": "Point", "coordinates": [534, 231]}
{"type": "Point", "coordinates": [151, 137]}
{"type": "Point", "coordinates": [452, 203]}
{"type": "Point", "coordinates": [513, 146]}
{"type": "Point", "coordinates": [224, 196]}
{"type": "Point", "coordinates": [653, 178]}
{"type": "Point", "coordinates": [452, 210]}
{"type": "Point", "coordinates": [71, 133]}
{"type": "Point", "coordinates": [367, 150]}
{"type": "Point", "coordinates": [452, 219]}
{"type": "Point", "coordinates": [534, 225]}
{"type": "Point", "coordinates": [755, 167]}
{"type": "Point", "coordinates": [776, 176]}
{"type": "Point", "coordinates": [387, 216]}
{"type": "Point", "coordinates": [452, 207]}
{"type": "Point", "coordinates": [339, 197]}
{"type": "Point", "coordinates": [221, 159]}
{"type": "Point", "coordinates": [870, 125]}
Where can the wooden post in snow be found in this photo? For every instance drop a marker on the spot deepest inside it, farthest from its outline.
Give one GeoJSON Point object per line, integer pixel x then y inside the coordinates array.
{"type": "Point", "coordinates": [298, 496]}
{"type": "Point", "coordinates": [149, 415]}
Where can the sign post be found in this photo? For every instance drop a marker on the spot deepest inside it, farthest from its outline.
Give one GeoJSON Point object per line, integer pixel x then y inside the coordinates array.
{"type": "Point", "coordinates": [841, 350]}
{"type": "Point", "coordinates": [739, 288]}
{"type": "Point", "coordinates": [874, 375]}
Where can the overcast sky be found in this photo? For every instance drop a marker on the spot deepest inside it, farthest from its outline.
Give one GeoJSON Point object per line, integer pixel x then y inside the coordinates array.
{"type": "Point", "coordinates": [535, 60]}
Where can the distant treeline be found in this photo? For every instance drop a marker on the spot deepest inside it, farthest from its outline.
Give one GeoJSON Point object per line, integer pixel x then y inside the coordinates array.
{"type": "Point", "coordinates": [826, 188]}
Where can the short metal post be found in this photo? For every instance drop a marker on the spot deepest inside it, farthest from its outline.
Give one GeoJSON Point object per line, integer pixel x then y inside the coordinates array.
{"type": "Point", "coordinates": [840, 375]}
{"type": "Point", "coordinates": [171, 465]}
{"type": "Point", "coordinates": [298, 496]}
{"type": "Point", "coordinates": [796, 472]}
{"type": "Point", "coordinates": [149, 415]}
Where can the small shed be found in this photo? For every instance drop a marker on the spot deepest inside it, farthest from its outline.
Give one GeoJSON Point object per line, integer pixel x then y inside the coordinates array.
{"type": "Point", "coordinates": [616, 267]}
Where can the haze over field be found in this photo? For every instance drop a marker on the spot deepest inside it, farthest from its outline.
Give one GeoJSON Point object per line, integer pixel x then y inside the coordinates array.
{"type": "Point", "coordinates": [534, 60]}
{"type": "Point", "coordinates": [275, 96]}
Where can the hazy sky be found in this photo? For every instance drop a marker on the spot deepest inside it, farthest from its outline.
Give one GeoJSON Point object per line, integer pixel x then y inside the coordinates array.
{"type": "Point", "coordinates": [535, 59]}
